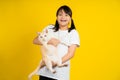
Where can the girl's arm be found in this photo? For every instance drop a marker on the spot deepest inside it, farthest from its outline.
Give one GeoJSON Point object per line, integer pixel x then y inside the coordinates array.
{"type": "Point", "coordinates": [52, 41]}
{"type": "Point", "coordinates": [70, 54]}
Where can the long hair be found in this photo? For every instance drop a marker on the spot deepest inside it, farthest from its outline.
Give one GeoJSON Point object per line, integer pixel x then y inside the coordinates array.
{"type": "Point", "coordinates": [67, 11]}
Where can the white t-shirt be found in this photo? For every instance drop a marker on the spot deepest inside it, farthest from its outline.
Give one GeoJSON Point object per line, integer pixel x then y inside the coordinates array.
{"type": "Point", "coordinates": [70, 38]}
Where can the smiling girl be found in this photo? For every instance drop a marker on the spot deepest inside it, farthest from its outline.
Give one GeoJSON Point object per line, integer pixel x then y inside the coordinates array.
{"type": "Point", "coordinates": [65, 34]}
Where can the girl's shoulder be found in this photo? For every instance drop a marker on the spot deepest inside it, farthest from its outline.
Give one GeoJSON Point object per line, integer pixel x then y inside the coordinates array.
{"type": "Point", "coordinates": [74, 31]}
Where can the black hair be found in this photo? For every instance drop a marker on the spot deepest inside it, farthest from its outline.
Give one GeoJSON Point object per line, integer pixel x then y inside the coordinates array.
{"type": "Point", "coordinates": [67, 11]}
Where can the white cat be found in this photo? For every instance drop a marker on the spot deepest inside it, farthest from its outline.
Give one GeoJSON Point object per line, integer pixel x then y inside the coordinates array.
{"type": "Point", "coordinates": [49, 53]}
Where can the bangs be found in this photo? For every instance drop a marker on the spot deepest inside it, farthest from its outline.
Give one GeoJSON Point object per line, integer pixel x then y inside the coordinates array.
{"type": "Point", "coordinates": [66, 9]}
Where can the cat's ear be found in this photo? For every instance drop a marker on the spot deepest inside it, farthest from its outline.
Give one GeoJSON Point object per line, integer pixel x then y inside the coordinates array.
{"type": "Point", "coordinates": [46, 31]}
{"type": "Point", "coordinates": [38, 33]}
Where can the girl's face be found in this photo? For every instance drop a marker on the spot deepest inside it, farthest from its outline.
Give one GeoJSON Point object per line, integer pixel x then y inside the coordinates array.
{"type": "Point", "coordinates": [63, 18]}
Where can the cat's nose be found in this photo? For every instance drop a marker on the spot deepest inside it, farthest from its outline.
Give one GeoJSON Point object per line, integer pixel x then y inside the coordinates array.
{"type": "Point", "coordinates": [43, 39]}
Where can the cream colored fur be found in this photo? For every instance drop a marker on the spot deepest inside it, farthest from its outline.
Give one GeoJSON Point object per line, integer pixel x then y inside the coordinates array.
{"type": "Point", "coordinates": [49, 53]}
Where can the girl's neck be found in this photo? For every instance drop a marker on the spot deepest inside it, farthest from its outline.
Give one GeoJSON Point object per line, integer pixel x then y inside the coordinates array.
{"type": "Point", "coordinates": [63, 27]}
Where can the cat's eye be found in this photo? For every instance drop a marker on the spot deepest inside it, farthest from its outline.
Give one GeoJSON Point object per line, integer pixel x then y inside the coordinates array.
{"type": "Point", "coordinates": [45, 35]}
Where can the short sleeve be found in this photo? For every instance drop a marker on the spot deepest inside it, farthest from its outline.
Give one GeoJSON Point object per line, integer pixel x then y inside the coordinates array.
{"type": "Point", "coordinates": [74, 38]}
{"type": "Point", "coordinates": [49, 27]}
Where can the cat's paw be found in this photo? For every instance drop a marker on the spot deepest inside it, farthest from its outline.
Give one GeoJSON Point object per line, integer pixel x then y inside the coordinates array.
{"type": "Point", "coordinates": [30, 77]}
{"type": "Point", "coordinates": [53, 71]}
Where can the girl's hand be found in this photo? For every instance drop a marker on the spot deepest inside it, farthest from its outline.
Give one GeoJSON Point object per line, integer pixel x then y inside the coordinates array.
{"type": "Point", "coordinates": [54, 42]}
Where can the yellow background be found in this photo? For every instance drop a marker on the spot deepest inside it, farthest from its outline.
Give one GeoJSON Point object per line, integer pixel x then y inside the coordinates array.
{"type": "Point", "coordinates": [98, 24]}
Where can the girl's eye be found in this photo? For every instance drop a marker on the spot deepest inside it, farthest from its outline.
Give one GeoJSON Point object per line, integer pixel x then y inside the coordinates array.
{"type": "Point", "coordinates": [62, 15]}
{"type": "Point", "coordinates": [40, 36]}
{"type": "Point", "coordinates": [66, 15]}
{"type": "Point", "coordinates": [59, 14]}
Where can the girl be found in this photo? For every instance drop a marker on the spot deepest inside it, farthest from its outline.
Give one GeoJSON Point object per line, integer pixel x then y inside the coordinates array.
{"type": "Point", "coordinates": [65, 34]}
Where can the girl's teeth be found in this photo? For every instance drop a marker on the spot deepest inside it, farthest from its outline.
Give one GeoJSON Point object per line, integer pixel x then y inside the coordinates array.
{"type": "Point", "coordinates": [63, 20]}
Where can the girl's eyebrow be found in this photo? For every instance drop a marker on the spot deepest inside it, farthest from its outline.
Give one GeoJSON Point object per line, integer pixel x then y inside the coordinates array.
{"type": "Point", "coordinates": [60, 12]}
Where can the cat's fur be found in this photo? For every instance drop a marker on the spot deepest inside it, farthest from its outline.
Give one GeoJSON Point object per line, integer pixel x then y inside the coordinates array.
{"type": "Point", "coordinates": [49, 53]}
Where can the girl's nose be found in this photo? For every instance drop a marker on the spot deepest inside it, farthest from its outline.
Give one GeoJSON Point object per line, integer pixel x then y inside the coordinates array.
{"type": "Point", "coordinates": [62, 16]}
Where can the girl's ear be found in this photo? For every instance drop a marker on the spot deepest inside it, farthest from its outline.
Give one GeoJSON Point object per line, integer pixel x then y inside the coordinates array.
{"type": "Point", "coordinates": [38, 33]}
